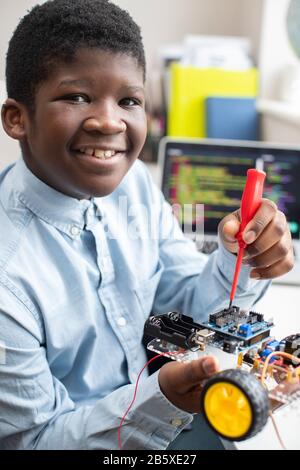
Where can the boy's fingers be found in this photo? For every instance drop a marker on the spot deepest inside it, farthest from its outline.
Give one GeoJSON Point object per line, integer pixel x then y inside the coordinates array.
{"type": "Point", "coordinates": [178, 381]}
{"type": "Point", "coordinates": [282, 266]}
{"type": "Point", "coordinates": [261, 219]}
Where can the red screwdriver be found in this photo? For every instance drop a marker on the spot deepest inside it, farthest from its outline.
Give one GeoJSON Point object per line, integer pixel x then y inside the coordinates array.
{"type": "Point", "coordinates": [251, 201]}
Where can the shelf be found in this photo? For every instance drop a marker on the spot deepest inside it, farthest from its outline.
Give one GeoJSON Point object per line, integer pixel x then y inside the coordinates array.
{"type": "Point", "coordinates": [279, 110]}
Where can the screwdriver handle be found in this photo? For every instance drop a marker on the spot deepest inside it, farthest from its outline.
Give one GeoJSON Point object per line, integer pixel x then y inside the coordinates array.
{"type": "Point", "coordinates": [251, 200]}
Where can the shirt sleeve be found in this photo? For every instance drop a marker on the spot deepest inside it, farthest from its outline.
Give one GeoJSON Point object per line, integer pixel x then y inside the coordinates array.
{"type": "Point", "coordinates": [38, 413]}
{"type": "Point", "coordinates": [194, 283]}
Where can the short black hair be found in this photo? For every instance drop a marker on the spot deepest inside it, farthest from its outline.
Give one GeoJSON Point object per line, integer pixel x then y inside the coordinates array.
{"type": "Point", "coordinates": [53, 32]}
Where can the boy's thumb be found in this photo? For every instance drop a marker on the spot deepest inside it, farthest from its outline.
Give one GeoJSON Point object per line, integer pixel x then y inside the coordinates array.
{"type": "Point", "coordinates": [230, 229]}
{"type": "Point", "coordinates": [200, 369]}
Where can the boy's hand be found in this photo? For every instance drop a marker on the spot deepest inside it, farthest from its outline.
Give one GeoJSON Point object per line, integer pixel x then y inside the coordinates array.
{"type": "Point", "coordinates": [182, 382]}
{"type": "Point", "coordinates": [268, 237]}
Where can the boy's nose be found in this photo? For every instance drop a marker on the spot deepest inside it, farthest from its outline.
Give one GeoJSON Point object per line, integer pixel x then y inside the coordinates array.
{"type": "Point", "coordinates": [104, 124]}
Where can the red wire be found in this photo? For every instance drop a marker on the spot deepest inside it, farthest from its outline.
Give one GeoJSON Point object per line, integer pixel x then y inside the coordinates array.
{"type": "Point", "coordinates": [135, 392]}
{"type": "Point", "coordinates": [277, 431]}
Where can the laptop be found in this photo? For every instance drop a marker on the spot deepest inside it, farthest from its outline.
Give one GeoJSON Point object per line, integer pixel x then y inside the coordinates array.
{"type": "Point", "coordinates": [213, 173]}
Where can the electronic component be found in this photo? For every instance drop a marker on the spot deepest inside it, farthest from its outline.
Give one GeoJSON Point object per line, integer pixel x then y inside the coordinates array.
{"type": "Point", "coordinates": [273, 345]}
{"type": "Point", "coordinates": [291, 345]}
{"type": "Point", "coordinates": [177, 329]}
{"type": "Point", "coordinates": [228, 315]}
{"type": "Point", "coordinates": [250, 356]}
{"type": "Point", "coordinates": [230, 345]}
{"type": "Point", "coordinates": [232, 329]}
{"type": "Point", "coordinates": [265, 353]}
{"type": "Point", "coordinates": [260, 317]}
{"type": "Point", "coordinates": [247, 328]}
{"type": "Point", "coordinates": [229, 329]}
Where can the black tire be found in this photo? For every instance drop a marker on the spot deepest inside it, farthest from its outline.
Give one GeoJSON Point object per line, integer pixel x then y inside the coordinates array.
{"type": "Point", "coordinates": [256, 394]}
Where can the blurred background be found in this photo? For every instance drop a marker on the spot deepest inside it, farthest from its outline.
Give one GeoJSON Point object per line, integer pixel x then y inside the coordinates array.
{"type": "Point", "coordinates": [234, 49]}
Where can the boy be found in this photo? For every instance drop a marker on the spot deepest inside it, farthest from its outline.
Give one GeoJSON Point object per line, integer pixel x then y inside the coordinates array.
{"type": "Point", "coordinates": [79, 276]}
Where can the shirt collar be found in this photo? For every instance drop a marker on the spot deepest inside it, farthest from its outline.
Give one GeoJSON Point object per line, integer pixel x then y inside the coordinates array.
{"type": "Point", "coordinates": [63, 212]}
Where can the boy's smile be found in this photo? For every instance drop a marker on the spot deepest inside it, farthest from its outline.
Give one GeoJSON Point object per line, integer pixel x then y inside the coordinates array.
{"type": "Point", "coordinates": [89, 124]}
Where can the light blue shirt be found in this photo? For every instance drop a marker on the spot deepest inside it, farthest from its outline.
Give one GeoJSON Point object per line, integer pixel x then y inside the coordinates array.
{"type": "Point", "coordinates": [78, 279]}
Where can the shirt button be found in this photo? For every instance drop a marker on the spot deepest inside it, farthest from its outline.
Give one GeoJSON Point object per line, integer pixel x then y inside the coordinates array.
{"type": "Point", "coordinates": [176, 422]}
{"type": "Point", "coordinates": [75, 230]}
{"type": "Point", "coordinates": [121, 321]}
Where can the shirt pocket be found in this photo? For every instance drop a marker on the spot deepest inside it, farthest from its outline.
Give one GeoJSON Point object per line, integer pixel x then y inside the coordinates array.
{"type": "Point", "coordinates": [146, 290]}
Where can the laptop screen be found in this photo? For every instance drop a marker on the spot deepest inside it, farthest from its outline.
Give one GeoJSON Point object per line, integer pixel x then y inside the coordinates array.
{"type": "Point", "coordinates": [214, 174]}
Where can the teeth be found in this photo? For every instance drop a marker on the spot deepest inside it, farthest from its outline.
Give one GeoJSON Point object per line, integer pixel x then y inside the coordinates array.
{"type": "Point", "coordinates": [109, 153]}
{"type": "Point", "coordinates": [88, 151]}
{"type": "Point", "coordinates": [102, 154]}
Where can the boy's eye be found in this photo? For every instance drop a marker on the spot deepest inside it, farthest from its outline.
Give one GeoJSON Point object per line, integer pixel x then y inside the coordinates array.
{"type": "Point", "coordinates": [76, 98]}
{"type": "Point", "coordinates": [130, 102]}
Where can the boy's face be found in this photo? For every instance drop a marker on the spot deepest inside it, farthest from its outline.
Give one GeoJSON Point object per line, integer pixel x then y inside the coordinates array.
{"type": "Point", "coordinates": [92, 106]}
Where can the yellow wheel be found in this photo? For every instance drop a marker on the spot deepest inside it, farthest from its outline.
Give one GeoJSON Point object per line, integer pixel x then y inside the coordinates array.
{"type": "Point", "coordinates": [228, 409]}
{"type": "Point", "coordinates": [235, 404]}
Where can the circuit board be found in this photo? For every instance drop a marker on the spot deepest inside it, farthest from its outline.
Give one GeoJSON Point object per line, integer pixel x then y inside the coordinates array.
{"type": "Point", "coordinates": [230, 329]}
{"type": "Point", "coordinates": [236, 328]}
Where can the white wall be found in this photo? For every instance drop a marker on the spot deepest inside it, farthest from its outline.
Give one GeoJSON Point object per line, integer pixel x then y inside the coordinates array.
{"type": "Point", "coordinates": [276, 54]}
{"type": "Point", "coordinates": [165, 21]}
{"type": "Point", "coordinates": [277, 59]}
{"type": "Point", "coordinates": [251, 22]}
{"type": "Point", "coordinates": [11, 11]}
{"type": "Point", "coordinates": [162, 21]}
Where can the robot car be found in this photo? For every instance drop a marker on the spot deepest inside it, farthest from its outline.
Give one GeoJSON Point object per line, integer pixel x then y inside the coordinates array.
{"type": "Point", "coordinates": [264, 372]}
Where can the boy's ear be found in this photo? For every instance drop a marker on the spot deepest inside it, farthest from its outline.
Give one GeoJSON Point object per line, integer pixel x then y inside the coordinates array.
{"type": "Point", "coordinates": [13, 119]}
